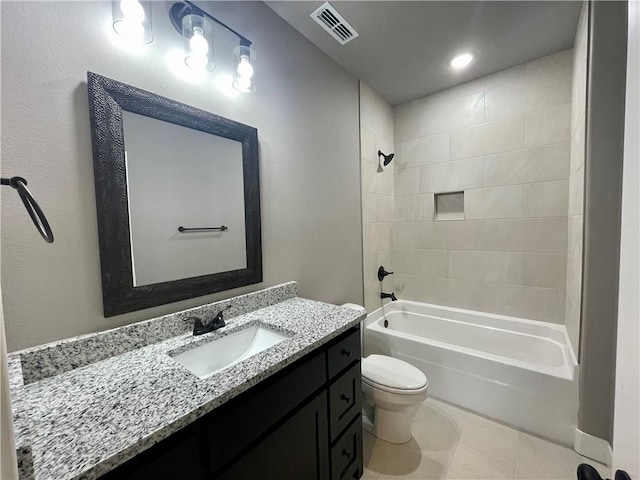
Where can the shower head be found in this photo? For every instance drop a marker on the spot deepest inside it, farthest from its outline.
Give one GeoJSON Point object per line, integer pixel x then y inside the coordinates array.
{"type": "Point", "coordinates": [387, 158]}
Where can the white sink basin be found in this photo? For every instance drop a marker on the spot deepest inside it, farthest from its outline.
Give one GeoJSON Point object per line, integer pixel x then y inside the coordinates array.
{"type": "Point", "coordinates": [221, 353]}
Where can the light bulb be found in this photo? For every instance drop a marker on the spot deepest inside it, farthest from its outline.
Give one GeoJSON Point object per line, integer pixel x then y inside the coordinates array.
{"type": "Point", "coordinates": [130, 29]}
{"type": "Point", "coordinates": [132, 11]}
{"type": "Point", "coordinates": [461, 61]}
{"type": "Point", "coordinates": [197, 61]}
{"type": "Point", "coordinates": [197, 43]}
{"type": "Point", "coordinates": [132, 21]}
{"type": "Point", "coordinates": [242, 84]}
{"type": "Point", "coordinates": [245, 69]}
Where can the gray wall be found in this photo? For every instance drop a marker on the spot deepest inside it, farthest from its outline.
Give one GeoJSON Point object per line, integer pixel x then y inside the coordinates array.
{"type": "Point", "coordinates": [576, 179]}
{"type": "Point", "coordinates": [626, 441]}
{"type": "Point", "coordinates": [305, 110]}
{"type": "Point", "coordinates": [605, 129]}
{"type": "Point", "coordinates": [503, 140]}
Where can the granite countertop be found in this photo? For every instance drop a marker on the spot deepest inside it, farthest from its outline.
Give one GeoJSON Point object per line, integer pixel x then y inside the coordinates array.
{"type": "Point", "coordinates": [83, 422]}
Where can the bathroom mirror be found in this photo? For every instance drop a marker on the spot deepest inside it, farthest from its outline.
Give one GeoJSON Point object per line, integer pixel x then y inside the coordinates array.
{"type": "Point", "coordinates": [177, 198]}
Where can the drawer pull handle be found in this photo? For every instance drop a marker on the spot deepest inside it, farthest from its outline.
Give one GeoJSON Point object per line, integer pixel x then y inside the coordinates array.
{"type": "Point", "coordinates": [345, 398]}
{"type": "Point", "coordinates": [346, 454]}
{"type": "Point", "coordinates": [346, 353]}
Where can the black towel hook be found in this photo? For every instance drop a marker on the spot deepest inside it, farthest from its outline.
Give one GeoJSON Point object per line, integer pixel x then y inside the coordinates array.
{"type": "Point", "coordinates": [34, 210]}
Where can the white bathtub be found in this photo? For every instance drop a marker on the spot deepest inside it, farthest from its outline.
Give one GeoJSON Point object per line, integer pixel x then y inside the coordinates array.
{"type": "Point", "coordinates": [521, 372]}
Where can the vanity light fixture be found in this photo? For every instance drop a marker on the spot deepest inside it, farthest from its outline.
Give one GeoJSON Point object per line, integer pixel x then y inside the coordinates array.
{"type": "Point", "coordinates": [132, 20]}
{"type": "Point", "coordinates": [196, 26]}
{"type": "Point", "coordinates": [243, 59]}
{"type": "Point", "coordinates": [461, 61]}
{"type": "Point", "coordinates": [198, 36]}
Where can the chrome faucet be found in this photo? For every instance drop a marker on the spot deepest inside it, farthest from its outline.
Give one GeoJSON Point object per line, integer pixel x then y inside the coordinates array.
{"type": "Point", "coordinates": [218, 322]}
{"type": "Point", "coordinates": [391, 295]}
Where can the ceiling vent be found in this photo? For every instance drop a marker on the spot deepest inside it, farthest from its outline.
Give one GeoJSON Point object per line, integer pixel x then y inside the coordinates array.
{"type": "Point", "coordinates": [329, 19]}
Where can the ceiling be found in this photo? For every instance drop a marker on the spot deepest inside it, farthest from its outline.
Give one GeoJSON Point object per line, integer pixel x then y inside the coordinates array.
{"type": "Point", "coordinates": [404, 47]}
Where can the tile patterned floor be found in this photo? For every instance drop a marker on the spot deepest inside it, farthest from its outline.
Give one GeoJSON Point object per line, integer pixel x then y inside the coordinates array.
{"type": "Point", "coordinates": [454, 444]}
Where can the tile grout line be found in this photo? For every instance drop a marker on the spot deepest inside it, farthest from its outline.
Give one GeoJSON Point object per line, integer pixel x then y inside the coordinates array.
{"type": "Point", "coordinates": [384, 465]}
{"type": "Point", "coordinates": [515, 474]}
{"type": "Point", "coordinates": [453, 453]}
{"type": "Point", "coordinates": [484, 121]}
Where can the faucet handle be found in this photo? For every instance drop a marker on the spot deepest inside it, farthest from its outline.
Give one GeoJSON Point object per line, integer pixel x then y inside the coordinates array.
{"type": "Point", "coordinates": [198, 326]}
{"type": "Point", "coordinates": [383, 273]}
{"type": "Point", "coordinates": [219, 314]}
{"type": "Point", "coordinates": [218, 320]}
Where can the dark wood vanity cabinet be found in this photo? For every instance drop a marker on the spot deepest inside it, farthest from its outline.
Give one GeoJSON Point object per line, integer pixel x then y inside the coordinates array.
{"type": "Point", "coordinates": [298, 448]}
{"type": "Point", "coordinates": [303, 424]}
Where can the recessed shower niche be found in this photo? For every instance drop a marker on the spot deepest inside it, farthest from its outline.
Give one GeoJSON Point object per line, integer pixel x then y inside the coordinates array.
{"type": "Point", "coordinates": [448, 206]}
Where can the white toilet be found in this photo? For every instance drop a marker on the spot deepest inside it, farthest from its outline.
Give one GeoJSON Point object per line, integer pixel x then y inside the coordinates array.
{"type": "Point", "coordinates": [393, 391]}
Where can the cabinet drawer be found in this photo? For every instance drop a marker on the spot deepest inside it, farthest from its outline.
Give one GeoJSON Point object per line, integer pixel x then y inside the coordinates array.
{"type": "Point", "coordinates": [344, 400]}
{"type": "Point", "coordinates": [346, 455]}
{"type": "Point", "coordinates": [343, 353]}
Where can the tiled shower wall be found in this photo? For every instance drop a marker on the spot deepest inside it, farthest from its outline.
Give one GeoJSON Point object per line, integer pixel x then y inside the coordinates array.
{"type": "Point", "coordinates": [504, 140]}
{"type": "Point", "coordinates": [376, 133]}
{"type": "Point", "coordinates": [576, 180]}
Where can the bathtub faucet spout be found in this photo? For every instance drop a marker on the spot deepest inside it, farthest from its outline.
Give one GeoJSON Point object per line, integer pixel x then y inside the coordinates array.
{"type": "Point", "coordinates": [391, 295]}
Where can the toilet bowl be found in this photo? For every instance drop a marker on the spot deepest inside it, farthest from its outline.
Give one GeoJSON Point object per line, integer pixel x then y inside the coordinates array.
{"type": "Point", "coordinates": [393, 391]}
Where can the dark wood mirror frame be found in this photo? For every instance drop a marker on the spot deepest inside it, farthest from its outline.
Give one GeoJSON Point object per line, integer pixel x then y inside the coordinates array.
{"type": "Point", "coordinates": [107, 99]}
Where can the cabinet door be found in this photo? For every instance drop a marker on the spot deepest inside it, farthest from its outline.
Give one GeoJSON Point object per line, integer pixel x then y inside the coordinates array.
{"type": "Point", "coordinates": [260, 409]}
{"type": "Point", "coordinates": [298, 449]}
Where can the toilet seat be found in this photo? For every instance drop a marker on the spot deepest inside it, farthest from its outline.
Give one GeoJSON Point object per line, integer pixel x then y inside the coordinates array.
{"type": "Point", "coordinates": [397, 391]}
{"type": "Point", "coordinates": [393, 375]}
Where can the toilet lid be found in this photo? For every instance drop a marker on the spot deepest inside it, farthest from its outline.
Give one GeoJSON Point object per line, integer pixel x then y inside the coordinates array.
{"type": "Point", "coordinates": [393, 373]}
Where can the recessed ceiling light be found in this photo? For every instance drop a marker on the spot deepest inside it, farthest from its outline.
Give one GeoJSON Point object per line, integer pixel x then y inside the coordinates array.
{"type": "Point", "coordinates": [461, 61]}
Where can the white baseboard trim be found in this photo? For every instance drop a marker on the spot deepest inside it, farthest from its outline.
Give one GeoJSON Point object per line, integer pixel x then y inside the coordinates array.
{"type": "Point", "coordinates": [595, 448]}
